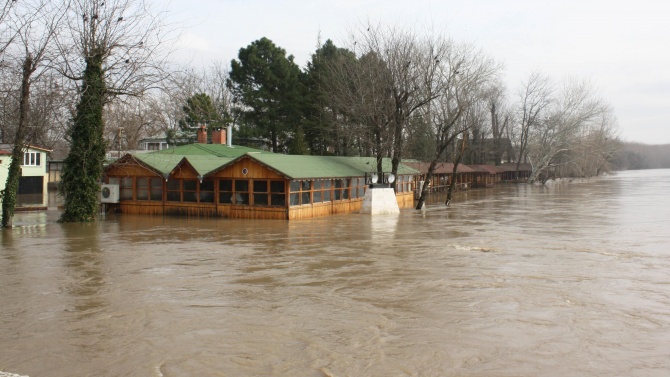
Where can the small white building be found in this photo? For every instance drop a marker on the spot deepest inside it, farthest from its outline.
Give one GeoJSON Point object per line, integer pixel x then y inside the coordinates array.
{"type": "Point", "coordinates": [33, 182]}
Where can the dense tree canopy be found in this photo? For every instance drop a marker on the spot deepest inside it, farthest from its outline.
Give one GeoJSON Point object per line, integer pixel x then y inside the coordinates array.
{"type": "Point", "coordinates": [268, 85]}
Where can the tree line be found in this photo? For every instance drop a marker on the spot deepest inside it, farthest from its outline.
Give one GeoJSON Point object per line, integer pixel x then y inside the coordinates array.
{"type": "Point", "coordinates": [634, 156]}
{"type": "Point", "coordinates": [89, 76]}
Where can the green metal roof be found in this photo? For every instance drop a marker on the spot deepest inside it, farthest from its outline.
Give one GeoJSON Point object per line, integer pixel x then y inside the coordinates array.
{"type": "Point", "coordinates": [165, 163]}
{"type": "Point", "coordinates": [209, 158]}
{"type": "Point", "coordinates": [159, 162]}
{"type": "Point", "coordinates": [217, 150]}
{"type": "Point", "coordinates": [304, 167]}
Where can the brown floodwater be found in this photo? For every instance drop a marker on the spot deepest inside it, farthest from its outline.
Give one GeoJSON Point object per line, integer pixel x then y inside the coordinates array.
{"type": "Point", "coordinates": [517, 280]}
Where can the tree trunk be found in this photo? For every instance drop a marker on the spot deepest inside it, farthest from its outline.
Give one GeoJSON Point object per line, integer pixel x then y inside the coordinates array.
{"type": "Point", "coordinates": [429, 175]}
{"type": "Point", "coordinates": [83, 166]}
{"type": "Point", "coordinates": [12, 186]}
{"type": "Point", "coordinates": [454, 174]}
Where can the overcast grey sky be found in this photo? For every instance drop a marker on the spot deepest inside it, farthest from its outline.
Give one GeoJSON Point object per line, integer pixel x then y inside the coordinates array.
{"type": "Point", "coordinates": [622, 47]}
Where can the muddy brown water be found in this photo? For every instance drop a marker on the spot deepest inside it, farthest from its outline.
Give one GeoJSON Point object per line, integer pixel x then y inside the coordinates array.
{"type": "Point", "coordinates": [517, 280]}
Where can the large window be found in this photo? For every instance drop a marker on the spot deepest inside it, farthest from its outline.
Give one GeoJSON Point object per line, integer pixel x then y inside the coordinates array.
{"type": "Point", "coordinates": [341, 189]}
{"type": "Point", "coordinates": [259, 192]}
{"type": "Point", "coordinates": [317, 191]}
{"type": "Point", "coordinates": [32, 159]}
{"type": "Point", "coordinates": [206, 194]}
{"type": "Point", "coordinates": [149, 188]}
{"type": "Point", "coordinates": [182, 190]}
{"type": "Point", "coordinates": [325, 190]}
{"type": "Point", "coordinates": [269, 193]}
{"type": "Point", "coordinates": [190, 190]}
{"type": "Point", "coordinates": [300, 193]}
{"type": "Point", "coordinates": [278, 193]}
{"type": "Point", "coordinates": [357, 186]}
{"type": "Point", "coordinates": [407, 181]}
{"type": "Point", "coordinates": [126, 188]}
{"type": "Point", "coordinates": [234, 191]}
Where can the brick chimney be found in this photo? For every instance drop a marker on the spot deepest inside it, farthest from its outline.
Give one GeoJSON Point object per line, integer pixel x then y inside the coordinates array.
{"type": "Point", "coordinates": [202, 135]}
{"type": "Point", "coordinates": [219, 136]}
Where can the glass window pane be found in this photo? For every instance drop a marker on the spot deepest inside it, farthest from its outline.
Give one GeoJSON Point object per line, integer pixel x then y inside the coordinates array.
{"type": "Point", "coordinates": [295, 199]}
{"type": "Point", "coordinates": [156, 194]}
{"type": "Point", "coordinates": [206, 197]}
{"type": "Point", "coordinates": [142, 194]}
{"type": "Point", "coordinates": [277, 186]}
{"type": "Point", "coordinates": [174, 184]}
{"type": "Point", "coordinates": [305, 198]}
{"type": "Point", "coordinates": [126, 194]}
{"type": "Point", "coordinates": [225, 185]}
{"type": "Point", "coordinates": [278, 200]}
{"type": "Point", "coordinates": [260, 199]}
{"type": "Point", "coordinates": [189, 196]}
{"type": "Point", "coordinates": [37, 159]}
{"type": "Point", "coordinates": [318, 184]}
{"type": "Point", "coordinates": [261, 186]}
{"type": "Point", "coordinates": [207, 185]}
{"type": "Point", "coordinates": [174, 196]}
{"type": "Point", "coordinates": [326, 196]}
{"type": "Point", "coordinates": [241, 198]}
{"type": "Point", "coordinates": [327, 184]}
{"type": "Point", "coordinates": [190, 185]}
{"type": "Point", "coordinates": [241, 185]}
{"type": "Point", "coordinates": [295, 186]}
{"type": "Point", "coordinates": [127, 182]}
{"type": "Point", "coordinates": [337, 194]}
{"type": "Point", "coordinates": [113, 180]}
{"type": "Point", "coordinates": [306, 185]}
{"type": "Point", "coordinates": [156, 183]}
{"type": "Point", "coordinates": [316, 196]}
{"type": "Point", "coordinates": [226, 197]}
{"type": "Point", "coordinates": [142, 182]}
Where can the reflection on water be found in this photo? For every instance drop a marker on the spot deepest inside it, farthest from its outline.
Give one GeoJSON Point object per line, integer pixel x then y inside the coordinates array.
{"type": "Point", "coordinates": [516, 280]}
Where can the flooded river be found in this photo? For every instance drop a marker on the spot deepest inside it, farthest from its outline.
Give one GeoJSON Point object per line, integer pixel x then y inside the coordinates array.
{"type": "Point", "coordinates": [517, 280]}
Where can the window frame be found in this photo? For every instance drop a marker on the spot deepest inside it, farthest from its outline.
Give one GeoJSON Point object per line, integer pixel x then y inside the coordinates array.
{"type": "Point", "coordinates": [32, 159]}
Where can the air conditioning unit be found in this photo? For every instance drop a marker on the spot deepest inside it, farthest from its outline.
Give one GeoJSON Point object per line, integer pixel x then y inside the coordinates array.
{"type": "Point", "coordinates": [109, 193]}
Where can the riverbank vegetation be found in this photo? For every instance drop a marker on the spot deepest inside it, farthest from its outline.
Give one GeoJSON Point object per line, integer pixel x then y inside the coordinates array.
{"type": "Point", "coordinates": [387, 91]}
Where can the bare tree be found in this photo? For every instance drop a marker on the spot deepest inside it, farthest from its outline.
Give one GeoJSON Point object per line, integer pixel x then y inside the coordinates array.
{"type": "Point", "coordinates": [113, 48]}
{"type": "Point", "coordinates": [464, 73]}
{"type": "Point", "coordinates": [500, 120]}
{"type": "Point", "coordinates": [534, 98]}
{"type": "Point", "coordinates": [355, 89]}
{"type": "Point", "coordinates": [410, 78]}
{"type": "Point", "coordinates": [570, 120]}
{"type": "Point", "coordinates": [9, 26]}
{"type": "Point", "coordinates": [41, 23]}
{"type": "Point", "coordinates": [597, 148]}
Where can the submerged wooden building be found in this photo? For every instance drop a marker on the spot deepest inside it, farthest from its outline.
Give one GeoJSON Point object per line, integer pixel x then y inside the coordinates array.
{"type": "Point", "coordinates": [220, 180]}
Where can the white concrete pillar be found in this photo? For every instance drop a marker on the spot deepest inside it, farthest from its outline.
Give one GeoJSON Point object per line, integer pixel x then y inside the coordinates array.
{"type": "Point", "coordinates": [380, 201]}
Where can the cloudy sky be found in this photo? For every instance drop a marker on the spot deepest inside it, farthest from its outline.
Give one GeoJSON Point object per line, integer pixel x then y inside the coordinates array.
{"type": "Point", "coordinates": [622, 47]}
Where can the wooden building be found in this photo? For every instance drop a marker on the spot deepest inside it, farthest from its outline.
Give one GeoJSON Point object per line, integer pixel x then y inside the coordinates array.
{"type": "Point", "coordinates": [486, 175]}
{"type": "Point", "coordinates": [509, 171]}
{"type": "Point", "coordinates": [220, 180]}
{"type": "Point", "coordinates": [442, 175]}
